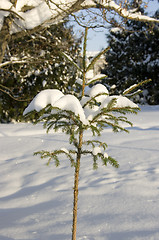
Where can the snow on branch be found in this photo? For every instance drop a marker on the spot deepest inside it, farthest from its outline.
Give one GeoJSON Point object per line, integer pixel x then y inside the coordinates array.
{"type": "Point", "coordinates": [123, 12]}
{"type": "Point", "coordinates": [127, 13]}
{"type": "Point", "coordinates": [13, 62]}
{"type": "Point", "coordinates": [31, 14]}
{"type": "Point", "coordinates": [69, 102]}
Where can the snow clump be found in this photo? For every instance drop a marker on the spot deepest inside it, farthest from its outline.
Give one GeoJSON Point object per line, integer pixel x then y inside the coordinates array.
{"type": "Point", "coordinates": [69, 102]}
{"type": "Point", "coordinates": [42, 99]}
{"type": "Point", "coordinates": [57, 99]}
{"type": "Point", "coordinates": [96, 150]}
{"type": "Point", "coordinates": [120, 102]}
{"type": "Point", "coordinates": [98, 89]}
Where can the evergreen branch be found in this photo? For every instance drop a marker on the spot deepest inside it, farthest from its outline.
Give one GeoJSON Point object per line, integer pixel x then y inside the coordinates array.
{"type": "Point", "coordinates": [61, 119]}
{"type": "Point", "coordinates": [95, 130]}
{"type": "Point", "coordinates": [96, 79]}
{"type": "Point", "coordinates": [110, 108]}
{"type": "Point", "coordinates": [51, 155]}
{"type": "Point", "coordinates": [71, 61]}
{"type": "Point", "coordinates": [129, 90]}
{"type": "Point", "coordinates": [124, 110]}
{"type": "Point", "coordinates": [54, 119]}
{"type": "Point", "coordinates": [105, 118]}
{"type": "Point", "coordinates": [93, 100]}
{"type": "Point", "coordinates": [134, 93]}
{"type": "Point", "coordinates": [70, 130]}
{"type": "Point", "coordinates": [33, 115]}
{"type": "Point", "coordinates": [96, 58]}
{"type": "Point", "coordinates": [116, 118]}
{"type": "Point", "coordinates": [111, 104]}
{"type": "Point", "coordinates": [112, 162]}
{"type": "Point", "coordinates": [115, 126]}
{"type": "Point", "coordinates": [57, 125]}
{"type": "Point", "coordinates": [54, 156]}
{"type": "Point", "coordinates": [94, 142]}
{"type": "Point", "coordinates": [95, 158]}
{"type": "Point", "coordinates": [104, 159]}
{"type": "Point", "coordinates": [121, 119]}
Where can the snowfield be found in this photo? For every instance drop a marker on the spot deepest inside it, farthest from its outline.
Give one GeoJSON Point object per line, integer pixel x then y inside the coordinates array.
{"type": "Point", "coordinates": [114, 204]}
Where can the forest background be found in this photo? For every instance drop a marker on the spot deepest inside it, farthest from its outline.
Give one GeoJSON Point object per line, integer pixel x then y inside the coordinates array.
{"type": "Point", "coordinates": [40, 63]}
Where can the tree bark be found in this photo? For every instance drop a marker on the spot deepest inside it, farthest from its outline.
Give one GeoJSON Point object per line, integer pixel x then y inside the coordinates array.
{"type": "Point", "coordinates": [5, 36]}
{"type": "Point", "coordinates": [76, 183]}
{"type": "Point", "coordinates": [5, 32]}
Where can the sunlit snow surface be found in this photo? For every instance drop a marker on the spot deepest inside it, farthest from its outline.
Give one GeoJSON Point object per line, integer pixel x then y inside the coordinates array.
{"type": "Point", "coordinates": [114, 204]}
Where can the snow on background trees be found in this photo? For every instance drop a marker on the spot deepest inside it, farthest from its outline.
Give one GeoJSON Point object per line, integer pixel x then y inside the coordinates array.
{"type": "Point", "coordinates": [24, 20]}
{"type": "Point", "coordinates": [29, 14]}
{"type": "Point", "coordinates": [35, 62]}
{"type": "Point", "coordinates": [133, 57]}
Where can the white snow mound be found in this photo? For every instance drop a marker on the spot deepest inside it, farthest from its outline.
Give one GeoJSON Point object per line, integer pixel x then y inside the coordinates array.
{"type": "Point", "coordinates": [42, 99]}
{"type": "Point", "coordinates": [71, 103]}
{"type": "Point", "coordinates": [97, 89]}
{"type": "Point", "coordinates": [120, 102]}
{"type": "Point", "coordinates": [57, 99]}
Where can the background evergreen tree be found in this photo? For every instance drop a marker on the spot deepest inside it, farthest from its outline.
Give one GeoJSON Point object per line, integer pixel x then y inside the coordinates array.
{"type": "Point", "coordinates": [132, 58]}
{"type": "Point", "coordinates": [35, 63]}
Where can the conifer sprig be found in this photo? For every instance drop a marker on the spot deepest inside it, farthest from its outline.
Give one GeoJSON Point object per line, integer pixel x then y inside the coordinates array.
{"type": "Point", "coordinates": [94, 60]}
{"type": "Point", "coordinates": [135, 86]}
{"type": "Point", "coordinates": [102, 156]}
{"type": "Point", "coordinates": [96, 142]}
{"type": "Point", "coordinates": [71, 61]}
{"type": "Point", "coordinates": [93, 100]}
{"type": "Point", "coordinates": [55, 156]}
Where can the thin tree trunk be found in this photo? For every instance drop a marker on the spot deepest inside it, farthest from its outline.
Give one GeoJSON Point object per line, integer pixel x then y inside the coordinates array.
{"type": "Point", "coordinates": [5, 36]}
{"type": "Point", "coordinates": [5, 32]}
{"type": "Point", "coordinates": [76, 182]}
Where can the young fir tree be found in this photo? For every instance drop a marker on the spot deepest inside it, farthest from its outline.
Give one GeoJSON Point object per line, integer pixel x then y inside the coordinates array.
{"type": "Point", "coordinates": [35, 63]}
{"type": "Point", "coordinates": [133, 57]}
{"type": "Point", "coordinates": [93, 110]}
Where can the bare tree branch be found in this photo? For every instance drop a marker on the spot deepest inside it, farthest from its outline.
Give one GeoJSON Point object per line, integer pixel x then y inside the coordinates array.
{"type": "Point", "coordinates": [11, 11]}
{"type": "Point", "coordinates": [9, 92]}
{"type": "Point", "coordinates": [50, 12]}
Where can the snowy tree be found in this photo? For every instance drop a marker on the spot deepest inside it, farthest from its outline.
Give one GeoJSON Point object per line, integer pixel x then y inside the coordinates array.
{"type": "Point", "coordinates": [133, 57]}
{"type": "Point", "coordinates": [92, 110]}
{"type": "Point", "coordinates": [35, 62]}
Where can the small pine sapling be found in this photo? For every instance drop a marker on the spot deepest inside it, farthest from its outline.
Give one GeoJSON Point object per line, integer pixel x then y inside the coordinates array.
{"type": "Point", "coordinates": [93, 111]}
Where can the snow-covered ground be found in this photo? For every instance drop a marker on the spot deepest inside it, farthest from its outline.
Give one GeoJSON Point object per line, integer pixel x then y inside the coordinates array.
{"type": "Point", "coordinates": [114, 204]}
